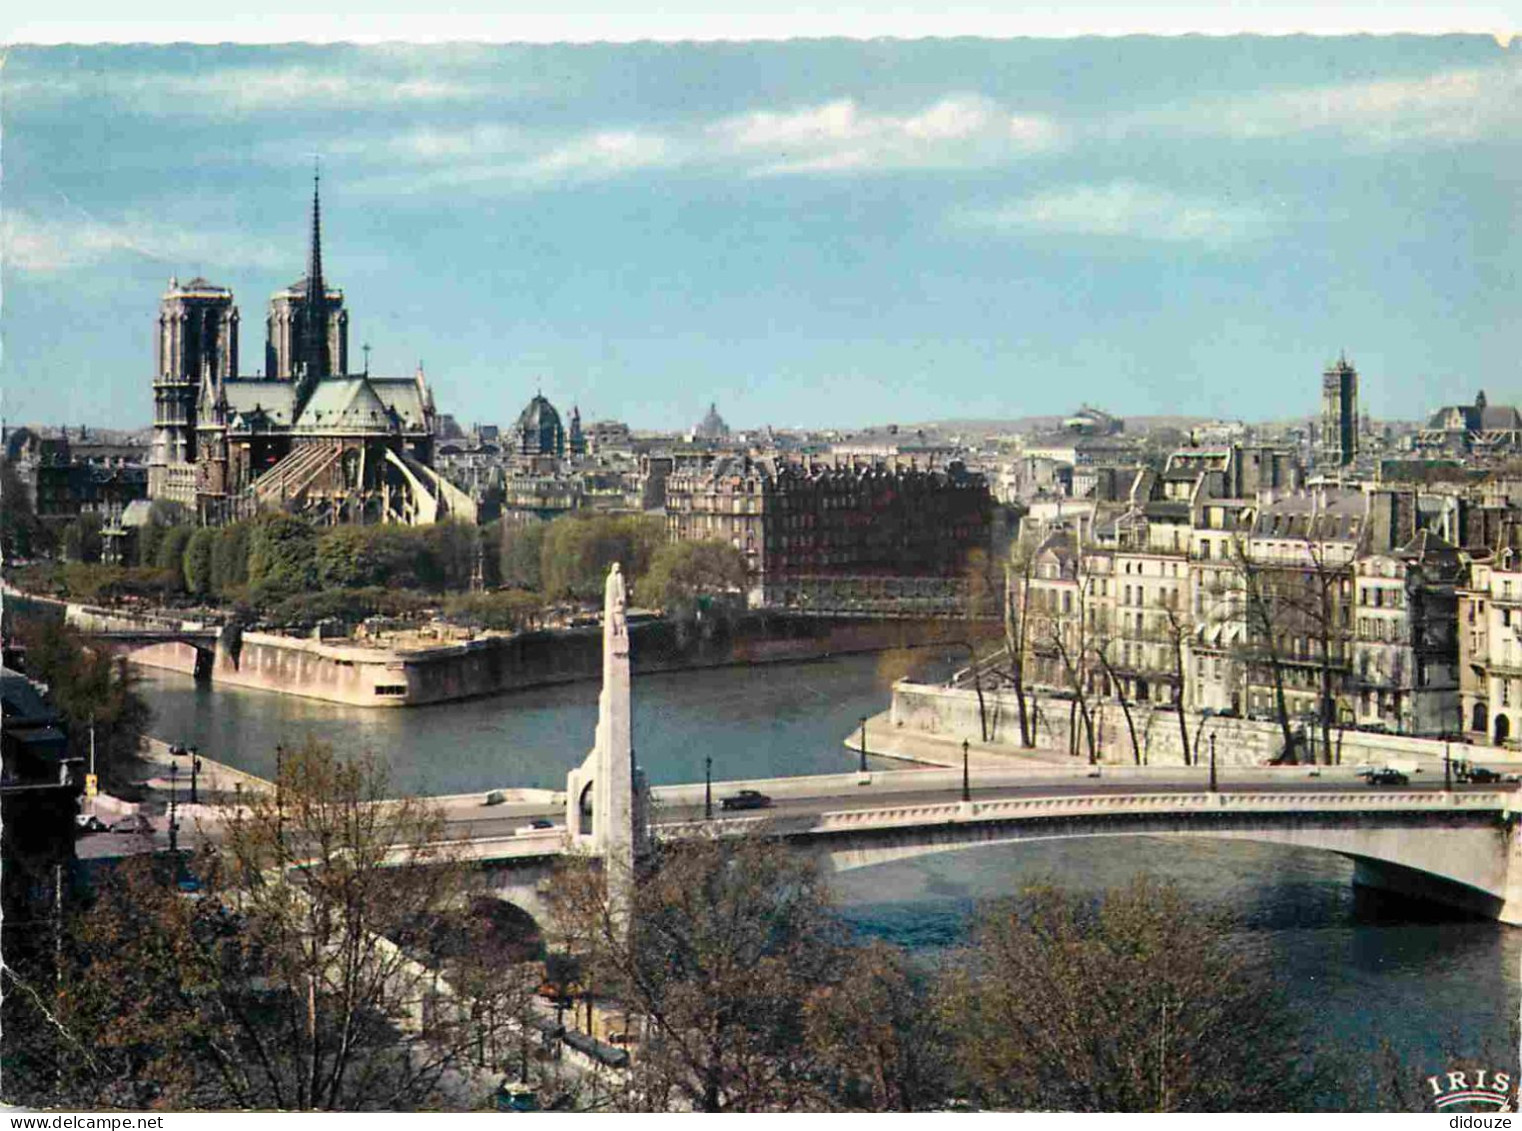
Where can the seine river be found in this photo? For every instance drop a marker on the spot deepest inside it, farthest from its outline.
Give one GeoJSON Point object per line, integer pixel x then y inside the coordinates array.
{"type": "Point", "coordinates": [1358, 969]}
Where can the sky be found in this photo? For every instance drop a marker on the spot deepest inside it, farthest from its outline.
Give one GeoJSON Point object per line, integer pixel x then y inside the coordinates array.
{"type": "Point", "coordinates": [808, 233]}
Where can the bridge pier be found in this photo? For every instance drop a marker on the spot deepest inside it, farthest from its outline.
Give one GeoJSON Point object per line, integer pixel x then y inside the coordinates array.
{"type": "Point", "coordinates": [206, 660]}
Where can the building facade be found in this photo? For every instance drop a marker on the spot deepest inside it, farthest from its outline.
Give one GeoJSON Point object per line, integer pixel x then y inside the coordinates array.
{"type": "Point", "coordinates": [815, 534]}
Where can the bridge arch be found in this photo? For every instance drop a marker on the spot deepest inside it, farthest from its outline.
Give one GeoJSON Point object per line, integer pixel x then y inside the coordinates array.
{"type": "Point", "coordinates": [1460, 857]}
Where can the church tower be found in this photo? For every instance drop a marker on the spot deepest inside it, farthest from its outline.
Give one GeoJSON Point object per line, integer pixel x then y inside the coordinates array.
{"type": "Point", "coordinates": [308, 325]}
{"type": "Point", "coordinates": [1339, 413]}
{"type": "Point", "coordinates": [196, 346]}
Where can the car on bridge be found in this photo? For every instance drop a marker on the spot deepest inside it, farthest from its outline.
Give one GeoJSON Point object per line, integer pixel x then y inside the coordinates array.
{"type": "Point", "coordinates": [746, 799]}
{"type": "Point", "coordinates": [1480, 775]}
{"type": "Point", "coordinates": [1387, 775]}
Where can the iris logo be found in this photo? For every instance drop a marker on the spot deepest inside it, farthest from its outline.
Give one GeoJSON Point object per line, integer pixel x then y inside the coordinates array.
{"type": "Point", "coordinates": [1470, 1087]}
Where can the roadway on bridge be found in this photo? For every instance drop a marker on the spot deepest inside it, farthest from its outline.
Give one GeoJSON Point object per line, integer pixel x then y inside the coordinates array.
{"type": "Point", "coordinates": [795, 813]}
{"type": "Point", "coordinates": [797, 803]}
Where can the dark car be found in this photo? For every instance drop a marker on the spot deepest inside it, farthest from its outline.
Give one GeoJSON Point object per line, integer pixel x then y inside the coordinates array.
{"type": "Point", "coordinates": [1386, 776]}
{"type": "Point", "coordinates": [541, 823]}
{"type": "Point", "coordinates": [746, 799]}
{"type": "Point", "coordinates": [1480, 775]}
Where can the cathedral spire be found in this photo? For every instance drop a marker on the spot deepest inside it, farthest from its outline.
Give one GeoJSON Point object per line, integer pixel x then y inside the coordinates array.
{"type": "Point", "coordinates": [314, 345]}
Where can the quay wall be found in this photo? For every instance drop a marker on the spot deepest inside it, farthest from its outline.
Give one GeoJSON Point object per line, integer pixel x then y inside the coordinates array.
{"type": "Point", "coordinates": [937, 709]}
{"type": "Point", "coordinates": [372, 676]}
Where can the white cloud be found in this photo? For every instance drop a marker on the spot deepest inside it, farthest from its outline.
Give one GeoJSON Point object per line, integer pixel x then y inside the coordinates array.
{"type": "Point", "coordinates": [39, 246]}
{"type": "Point", "coordinates": [605, 153]}
{"type": "Point", "coordinates": [224, 91]}
{"type": "Point", "coordinates": [959, 130]}
{"type": "Point", "coordinates": [1125, 210]}
{"type": "Point", "coordinates": [1448, 106]}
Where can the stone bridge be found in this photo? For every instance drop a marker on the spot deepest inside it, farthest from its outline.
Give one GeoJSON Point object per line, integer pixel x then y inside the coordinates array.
{"type": "Point", "coordinates": [1459, 848]}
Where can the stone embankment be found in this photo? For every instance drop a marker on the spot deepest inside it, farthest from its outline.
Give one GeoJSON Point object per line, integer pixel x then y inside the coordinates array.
{"type": "Point", "coordinates": [928, 722]}
{"type": "Point", "coordinates": [408, 670]}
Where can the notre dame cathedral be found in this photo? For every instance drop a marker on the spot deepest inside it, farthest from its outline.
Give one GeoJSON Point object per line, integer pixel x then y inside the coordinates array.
{"type": "Point", "coordinates": [306, 436]}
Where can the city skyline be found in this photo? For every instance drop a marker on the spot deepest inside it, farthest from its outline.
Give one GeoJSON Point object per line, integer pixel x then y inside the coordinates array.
{"type": "Point", "coordinates": [830, 232]}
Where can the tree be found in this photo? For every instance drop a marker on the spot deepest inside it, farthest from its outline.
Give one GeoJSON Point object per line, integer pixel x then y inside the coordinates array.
{"type": "Point", "coordinates": [22, 533]}
{"type": "Point", "coordinates": [505, 609]}
{"type": "Point", "coordinates": [1298, 612]}
{"type": "Point", "coordinates": [229, 560]}
{"type": "Point", "coordinates": [450, 550]}
{"type": "Point", "coordinates": [577, 551]}
{"type": "Point", "coordinates": [197, 562]}
{"type": "Point", "coordinates": [312, 970]}
{"type": "Point", "coordinates": [353, 557]}
{"type": "Point", "coordinates": [879, 1035]}
{"type": "Point", "coordinates": [1016, 631]}
{"type": "Point", "coordinates": [1104, 643]}
{"type": "Point", "coordinates": [282, 556]}
{"type": "Point", "coordinates": [519, 553]}
{"type": "Point", "coordinates": [683, 574]}
{"type": "Point", "coordinates": [1133, 1002]}
{"type": "Point", "coordinates": [89, 687]}
{"type": "Point", "coordinates": [81, 539]}
{"type": "Point", "coordinates": [730, 940]}
{"type": "Point", "coordinates": [171, 551]}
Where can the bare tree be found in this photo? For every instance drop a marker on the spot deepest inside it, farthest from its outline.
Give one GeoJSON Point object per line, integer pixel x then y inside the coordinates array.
{"type": "Point", "coordinates": [1132, 1004]}
{"type": "Point", "coordinates": [1104, 642]}
{"type": "Point", "coordinates": [287, 965]}
{"type": "Point", "coordinates": [1261, 647]}
{"type": "Point", "coordinates": [1016, 632]}
{"type": "Point", "coordinates": [1175, 630]}
{"type": "Point", "coordinates": [727, 941]}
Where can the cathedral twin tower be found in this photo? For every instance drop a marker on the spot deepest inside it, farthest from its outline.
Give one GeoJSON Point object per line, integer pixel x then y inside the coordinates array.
{"type": "Point", "coordinates": [304, 435]}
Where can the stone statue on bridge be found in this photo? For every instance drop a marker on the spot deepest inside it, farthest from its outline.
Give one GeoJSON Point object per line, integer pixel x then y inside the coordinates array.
{"type": "Point", "coordinates": [605, 809]}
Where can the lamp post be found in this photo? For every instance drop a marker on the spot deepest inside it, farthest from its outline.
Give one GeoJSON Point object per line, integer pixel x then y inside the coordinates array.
{"type": "Point", "coordinates": [863, 766]}
{"type": "Point", "coordinates": [1447, 769]}
{"type": "Point", "coordinates": [195, 771]}
{"type": "Point", "coordinates": [1212, 764]}
{"type": "Point", "coordinates": [707, 788]}
{"type": "Point", "coordinates": [174, 824]}
{"type": "Point", "coordinates": [966, 782]}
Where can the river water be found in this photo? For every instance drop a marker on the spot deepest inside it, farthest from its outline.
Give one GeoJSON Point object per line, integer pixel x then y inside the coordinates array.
{"type": "Point", "coordinates": [1358, 968]}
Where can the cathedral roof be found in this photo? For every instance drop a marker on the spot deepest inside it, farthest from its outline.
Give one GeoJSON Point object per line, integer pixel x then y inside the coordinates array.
{"type": "Point", "coordinates": [405, 397]}
{"type": "Point", "coordinates": [275, 400]}
{"type": "Point", "coordinates": [345, 404]}
{"type": "Point", "coordinates": [1478, 417]}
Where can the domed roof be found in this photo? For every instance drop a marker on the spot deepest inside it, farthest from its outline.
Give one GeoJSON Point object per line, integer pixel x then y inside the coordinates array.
{"type": "Point", "coordinates": [538, 414]}
{"type": "Point", "coordinates": [540, 432]}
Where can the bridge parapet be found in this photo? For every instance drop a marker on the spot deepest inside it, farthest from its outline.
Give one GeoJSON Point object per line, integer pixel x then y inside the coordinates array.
{"type": "Point", "coordinates": [1166, 803]}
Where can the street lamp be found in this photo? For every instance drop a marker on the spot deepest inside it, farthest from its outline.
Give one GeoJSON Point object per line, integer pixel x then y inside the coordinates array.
{"type": "Point", "coordinates": [863, 744]}
{"type": "Point", "coordinates": [195, 770]}
{"type": "Point", "coordinates": [966, 783]}
{"type": "Point", "coordinates": [707, 788]}
{"type": "Point", "coordinates": [1447, 769]}
{"type": "Point", "coordinates": [174, 824]}
{"type": "Point", "coordinates": [1212, 764]}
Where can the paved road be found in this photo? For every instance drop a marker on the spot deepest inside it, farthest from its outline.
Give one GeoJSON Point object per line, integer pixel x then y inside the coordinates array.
{"type": "Point", "coordinates": [508, 820]}
{"type": "Point", "coordinates": [469, 820]}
